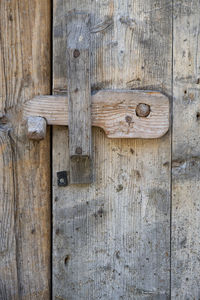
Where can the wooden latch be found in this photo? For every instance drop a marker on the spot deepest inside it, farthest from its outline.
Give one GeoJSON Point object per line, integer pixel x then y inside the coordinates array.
{"type": "Point", "coordinates": [120, 113]}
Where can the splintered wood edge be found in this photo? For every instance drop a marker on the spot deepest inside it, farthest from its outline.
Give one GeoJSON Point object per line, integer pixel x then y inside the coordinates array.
{"type": "Point", "coordinates": [112, 110]}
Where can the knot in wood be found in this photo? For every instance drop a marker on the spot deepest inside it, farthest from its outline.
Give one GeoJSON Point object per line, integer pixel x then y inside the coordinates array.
{"type": "Point", "coordinates": [79, 150]}
{"type": "Point", "coordinates": [128, 119]}
{"type": "Point", "coordinates": [76, 53]}
{"type": "Point", "coordinates": [143, 110]}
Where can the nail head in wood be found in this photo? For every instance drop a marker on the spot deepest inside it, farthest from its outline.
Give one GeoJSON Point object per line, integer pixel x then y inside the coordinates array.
{"type": "Point", "coordinates": [36, 128]}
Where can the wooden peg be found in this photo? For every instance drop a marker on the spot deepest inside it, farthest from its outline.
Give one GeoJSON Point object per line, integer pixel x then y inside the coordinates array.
{"type": "Point", "coordinates": [36, 128]}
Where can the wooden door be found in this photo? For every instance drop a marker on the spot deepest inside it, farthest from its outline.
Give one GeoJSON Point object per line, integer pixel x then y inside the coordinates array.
{"type": "Point", "coordinates": [134, 232]}
{"type": "Point", "coordinates": [111, 239]}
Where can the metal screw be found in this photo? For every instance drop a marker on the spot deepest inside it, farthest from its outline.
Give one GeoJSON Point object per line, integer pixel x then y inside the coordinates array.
{"type": "Point", "coordinates": [143, 110]}
{"type": "Point", "coordinates": [79, 150]}
{"type": "Point", "coordinates": [76, 53]}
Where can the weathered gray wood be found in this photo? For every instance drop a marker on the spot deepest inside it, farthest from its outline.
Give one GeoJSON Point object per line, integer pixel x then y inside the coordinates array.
{"type": "Point", "coordinates": [9, 285]}
{"type": "Point", "coordinates": [36, 128]}
{"type": "Point", "coordinates": [186, 152]}
{"type": "Point", "coordinates": [79, 97]}
{"type": "Point", "coordinates": [111, 240]}
{"type": "Point", "coordinates": [119, 113]}
{"type": "Point", "coordinates": [24, 165]}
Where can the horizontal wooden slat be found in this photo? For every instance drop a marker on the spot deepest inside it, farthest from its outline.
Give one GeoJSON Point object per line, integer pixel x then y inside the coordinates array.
{"type": "Point", "coordinates": [112, 110]}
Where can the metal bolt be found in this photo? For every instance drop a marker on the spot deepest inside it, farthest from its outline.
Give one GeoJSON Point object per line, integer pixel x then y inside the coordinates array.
{"type": "Point", "coordinates": [79, 150]}
{"type": "Point", "coordinates": [76, 53]}
{"type": "Point", "coordinates": [143, 110]}
{"type": "Point", "coordinates": [62, 180]}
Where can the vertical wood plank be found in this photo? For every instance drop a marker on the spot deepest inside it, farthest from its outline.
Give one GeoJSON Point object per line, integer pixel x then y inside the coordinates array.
{"type": "Point", "coordinates": [185, 156]}
{"type": "Point", "coordinates": [111, 240]}
{"type": "Point", "coordinates": [9, 287]}
{"type": "Point", "coordinates": [24, 177]}
{"type": "Point", "coordinates": [79, 97]}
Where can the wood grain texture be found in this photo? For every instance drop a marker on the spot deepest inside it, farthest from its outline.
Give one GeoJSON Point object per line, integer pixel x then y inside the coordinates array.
{"type": "Point", "coordinates": [111, 239]}
{"type": "Point", "coordinates": [79, 97]}
{"type": "Point", "coordinates": [24, 165]}
{"type": "Point", "coordinates": [8, 247]}
{"type": "Point", "coordinates": [186, 152]}
{"type": "Point", "coordinates": [113, 111]}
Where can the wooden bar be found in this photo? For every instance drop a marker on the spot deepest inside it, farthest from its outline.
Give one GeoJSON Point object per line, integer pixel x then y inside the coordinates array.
{"type": "Point", "coordinates": [113, 111]}
{"type": "Point", "coordinates": [79, 97]}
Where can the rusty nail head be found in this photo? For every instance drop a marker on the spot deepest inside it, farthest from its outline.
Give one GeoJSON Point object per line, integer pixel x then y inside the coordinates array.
{"type": "Point", "coordinates": [143, 110]}
{"type": "Point", "coordinates": [79, 150]}
{"type": "Point", "coordinates": [76, 53]}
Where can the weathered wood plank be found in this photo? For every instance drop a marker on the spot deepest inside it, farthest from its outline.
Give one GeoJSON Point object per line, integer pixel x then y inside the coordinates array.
{"type": "Point", "coordinates": [111, 239]}
{"type": "Point", "coordinates": [79, 87]}
{"type": "Point", "coordinates": [79, 97]}
{"type": "Point", "coordinates": [9, 285]}
{"type": "Point", "coordinates": [24, 177]}
{"type": "Point", "coordinates": [113, 111]}
{"type": "Point", "coordinates": [186, 152]}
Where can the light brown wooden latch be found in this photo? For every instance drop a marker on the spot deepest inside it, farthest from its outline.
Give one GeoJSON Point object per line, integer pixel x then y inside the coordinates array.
{"type": "Point", "coordinates": [120, 113]}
